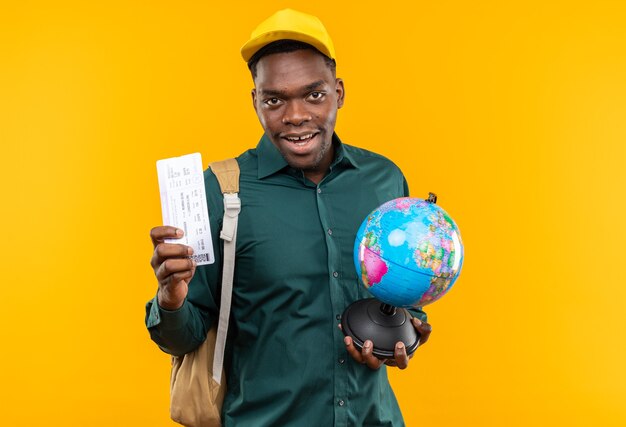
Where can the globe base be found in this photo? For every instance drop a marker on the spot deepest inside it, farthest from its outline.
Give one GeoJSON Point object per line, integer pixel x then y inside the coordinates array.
{"type": "Point", "coordinates": [369, 319]}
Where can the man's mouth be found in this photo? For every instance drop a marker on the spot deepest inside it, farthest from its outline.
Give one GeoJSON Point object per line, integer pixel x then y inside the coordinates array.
{"type": "Point", "coordinates": [300, 140]}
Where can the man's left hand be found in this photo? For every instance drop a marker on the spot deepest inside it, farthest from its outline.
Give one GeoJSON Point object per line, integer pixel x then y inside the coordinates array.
{"type": "Point", "coordinates": [400, 360]}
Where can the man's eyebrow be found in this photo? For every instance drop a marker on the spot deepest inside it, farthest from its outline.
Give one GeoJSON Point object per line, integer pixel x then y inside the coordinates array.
{"type": "Point", "coordinates": [314, 85]}
{"type": "Point", "coordinates": [307, 88]}
{"type": "Point", "coordinates": [271, 92]}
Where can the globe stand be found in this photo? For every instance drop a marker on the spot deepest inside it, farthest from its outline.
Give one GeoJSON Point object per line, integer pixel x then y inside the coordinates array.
{"type": "Point", "coordinates": [383, 324]}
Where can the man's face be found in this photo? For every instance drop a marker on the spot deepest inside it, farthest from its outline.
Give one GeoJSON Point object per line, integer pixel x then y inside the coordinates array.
{"type": "Point", "coordinates": [296, 98]}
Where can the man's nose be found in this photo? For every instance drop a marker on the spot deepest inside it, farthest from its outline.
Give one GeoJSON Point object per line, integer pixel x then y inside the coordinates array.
{"type": "Point", "coordinates": [296, 113]}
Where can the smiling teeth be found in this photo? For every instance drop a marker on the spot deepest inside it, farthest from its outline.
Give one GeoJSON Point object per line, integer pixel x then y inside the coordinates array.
{"type": "Point", "coordinates": [299, 138]}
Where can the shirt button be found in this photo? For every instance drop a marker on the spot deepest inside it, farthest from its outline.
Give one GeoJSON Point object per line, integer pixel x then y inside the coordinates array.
{"type": "Point", "coordinates": [341, 402]}
{"type": "Point", "coordinates": [330, 232]}
{"type": "Point", "coordinates": [319, 191]}
{"type": "Point", "coordinates": [338, 317]}
{"type": "Point", "coordinates": [342, 361]}
{"type": "Point", "coordinates": [335, 274]}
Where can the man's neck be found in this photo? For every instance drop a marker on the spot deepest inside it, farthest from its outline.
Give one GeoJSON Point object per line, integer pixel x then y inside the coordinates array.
{"type": "Point", "coordinates": [317, 175]}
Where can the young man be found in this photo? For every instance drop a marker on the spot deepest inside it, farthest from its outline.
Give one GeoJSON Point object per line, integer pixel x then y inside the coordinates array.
{"type": "Point", "coordinates": [304, 194]}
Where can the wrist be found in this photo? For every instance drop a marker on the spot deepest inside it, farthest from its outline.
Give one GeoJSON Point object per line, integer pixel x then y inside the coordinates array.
{"type": "Point", "coordinates": [169, 305]}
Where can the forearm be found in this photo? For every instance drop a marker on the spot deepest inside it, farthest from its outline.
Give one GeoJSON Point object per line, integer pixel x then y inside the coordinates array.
{"type": "Point", "coordinates": [179, 331]}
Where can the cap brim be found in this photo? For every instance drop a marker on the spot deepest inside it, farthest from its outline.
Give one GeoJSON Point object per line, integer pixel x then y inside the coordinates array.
{"type": "Point", "coordinates": [255, 44]}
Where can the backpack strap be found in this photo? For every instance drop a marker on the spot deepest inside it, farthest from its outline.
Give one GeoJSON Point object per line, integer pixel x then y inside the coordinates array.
{"type": "Point", "coordinates": [227, 173]}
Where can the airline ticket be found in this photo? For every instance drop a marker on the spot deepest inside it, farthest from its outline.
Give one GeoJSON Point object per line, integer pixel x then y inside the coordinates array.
{"type": "Point", "coordinates": [183, 204]}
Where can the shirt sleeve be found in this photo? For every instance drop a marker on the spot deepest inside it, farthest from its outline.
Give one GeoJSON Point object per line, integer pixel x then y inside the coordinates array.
{"type": "Point", "coordinates": [405, 186]}
{"type": "Point", "coordinates": [181, 331]}
{"type": "Point", "coordinates": [419, 313]}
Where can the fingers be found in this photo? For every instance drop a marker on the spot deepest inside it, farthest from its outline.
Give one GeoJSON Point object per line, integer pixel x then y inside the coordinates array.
{"type": "Point", "coordinates": [365, 356]}
{"type": "Point", "coordinates": [164, 251]}
{"type": "Point", "coordinates": [371, 361]}
{"type": "Point", "coordinates": [423, 328]}
{"type": "Point", "coordinates": [174, 276]}
{"type": "Point", "coordinates": [172, 266]}
{"type": "Point", "coordinates": [159, 234]}
{"type": "Point", "coordinates": [400, 358]}
{"type": "Point", "coordinates": [352, 350]}
{"type": "Point", "coordinates": [175, 270]}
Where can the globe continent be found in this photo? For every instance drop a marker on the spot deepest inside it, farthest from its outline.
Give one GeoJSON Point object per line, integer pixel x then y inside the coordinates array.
{"type": "Point", "coordinates": [408, 252]}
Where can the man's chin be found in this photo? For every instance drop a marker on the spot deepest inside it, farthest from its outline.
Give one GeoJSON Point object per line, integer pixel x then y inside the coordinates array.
{"type": "Point", "coordinates": [307, 163]}
{"type": "Point", "coordinates": [308, 160]}
{"type": "Point", "coordinates": [300, 161]}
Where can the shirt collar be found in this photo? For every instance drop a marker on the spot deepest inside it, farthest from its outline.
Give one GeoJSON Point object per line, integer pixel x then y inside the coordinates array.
{"type": "Point", "coordinates": [271, 161]}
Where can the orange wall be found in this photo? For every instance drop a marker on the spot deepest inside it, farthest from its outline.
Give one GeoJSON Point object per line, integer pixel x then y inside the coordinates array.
{"type": "Point", "coordinates": [512, 112]}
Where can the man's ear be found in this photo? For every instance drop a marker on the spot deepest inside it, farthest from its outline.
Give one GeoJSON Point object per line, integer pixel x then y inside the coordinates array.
{"type": "Point", "coordinates": [253, 93]}
{"type": "Point", "coordinates": [341, 92]}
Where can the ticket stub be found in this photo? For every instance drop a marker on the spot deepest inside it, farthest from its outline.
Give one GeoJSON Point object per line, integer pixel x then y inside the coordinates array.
{"type": "Point", "coordinates": [183, 204]}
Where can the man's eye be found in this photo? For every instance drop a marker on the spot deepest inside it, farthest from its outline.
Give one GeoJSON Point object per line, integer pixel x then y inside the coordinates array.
{"type": "Point", "coordinates": [272, 101]}
{"type": "Point", "coordinates": [316, 96]}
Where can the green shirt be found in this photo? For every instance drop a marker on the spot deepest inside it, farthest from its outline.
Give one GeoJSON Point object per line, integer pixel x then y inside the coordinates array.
{"type": "Point", "coordinates": [286, 362]}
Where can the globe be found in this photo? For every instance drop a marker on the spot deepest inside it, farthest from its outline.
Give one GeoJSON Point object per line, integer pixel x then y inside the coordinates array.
{"type": "Point", "coordinates": [408, 252]}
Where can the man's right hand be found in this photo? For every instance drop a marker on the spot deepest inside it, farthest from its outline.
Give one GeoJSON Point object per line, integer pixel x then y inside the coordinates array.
{"type": "Point", "coordinates": [172, 266]}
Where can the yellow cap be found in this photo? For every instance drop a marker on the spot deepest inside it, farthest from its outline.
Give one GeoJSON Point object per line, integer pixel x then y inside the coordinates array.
{"type": "Point", "coordinates": [293, 25]}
